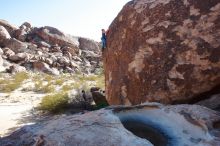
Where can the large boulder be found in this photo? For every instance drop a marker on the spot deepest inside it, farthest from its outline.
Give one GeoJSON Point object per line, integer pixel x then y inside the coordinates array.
{"type": "Point", "coordinates": [1, 61]}
{"type": "Point", "coordinates": [70, 50]}
{"type": "Point", "coordinates": [15, 69]}
{"type": "Point", "coordinates": [16, 45]}
{"type": "Point", "coordinates": [9, 27]}
{"type": "Point", "coordinates": [2, 68]}
{"type": "Point", "coordinates": [8, 52]}
{"type": "Point", "coordinates": [54, 36]}
{"type": "Point", "coordinates": [44, 67]}
{"type": "Point", "coordinates": [182, 125]}
{"type": "Point", "coordinates": [89, 45]}
{"type": "Point", "coordinates": [21, 35]}
{"type": "Point", "coordinates": [19, 57]}
{"type": "Point", "coordinates": [4, 35]}
{"type": "Point", "coordinates": [166, 51]}
{"type": "Point", "coordinates": [1, 52]}
{"type": "Point", "coordinates": [99, 97]}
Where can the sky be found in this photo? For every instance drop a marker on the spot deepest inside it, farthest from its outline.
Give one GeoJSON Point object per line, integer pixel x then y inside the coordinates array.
{"type": "Point", "coordinates": [83, 18]}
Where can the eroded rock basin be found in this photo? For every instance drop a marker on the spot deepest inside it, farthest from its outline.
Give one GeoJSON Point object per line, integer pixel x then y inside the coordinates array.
{"type": "Point", "coordinates": [142, 125]}
{"type": "Point", "coordinates": [144, 129]}
{"type": "Point", "coordinates": [181, 125]}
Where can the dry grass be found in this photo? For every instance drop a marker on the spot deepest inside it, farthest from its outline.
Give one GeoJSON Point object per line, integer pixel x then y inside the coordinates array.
{"type": "Point", "coordinates": [14, 82]}
{"type": "Point", "coordinates": [49, 84]}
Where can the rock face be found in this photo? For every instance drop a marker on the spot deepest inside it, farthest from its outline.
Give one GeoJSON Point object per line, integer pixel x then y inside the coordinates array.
{"type": "Point", "coordinates": [178, 126]}
{"type": "Point", "coordinates": [166, 51]}
{"type": "Point", "coordinates": [47, 49]}
{"type": "Point", "coordinates": [4, 35]}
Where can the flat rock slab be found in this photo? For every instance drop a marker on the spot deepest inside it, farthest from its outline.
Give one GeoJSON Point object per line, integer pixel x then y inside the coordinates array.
{"type": "Point", "coordinates": [182, 125]}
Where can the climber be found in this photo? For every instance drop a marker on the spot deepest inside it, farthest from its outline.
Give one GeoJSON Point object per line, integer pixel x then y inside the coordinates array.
{"type": "Point", "coordinates": [103, 38]}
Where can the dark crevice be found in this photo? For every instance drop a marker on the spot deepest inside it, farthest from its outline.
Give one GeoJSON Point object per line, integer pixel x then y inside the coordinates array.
{"type": "Point", "coordinates": [200, 97]}
{"type": "Point", "coordinates": [216, 125]}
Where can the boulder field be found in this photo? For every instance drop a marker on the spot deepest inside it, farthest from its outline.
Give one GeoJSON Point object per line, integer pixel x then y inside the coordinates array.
{"type": "Point", "coordinates": [46, 49]}
{"type": "Point", "coordinates": [165, 51]}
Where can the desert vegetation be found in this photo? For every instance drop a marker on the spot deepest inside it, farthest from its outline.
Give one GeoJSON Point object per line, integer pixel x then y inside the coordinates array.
{"type": "Point", "coordinates": [59, 91]}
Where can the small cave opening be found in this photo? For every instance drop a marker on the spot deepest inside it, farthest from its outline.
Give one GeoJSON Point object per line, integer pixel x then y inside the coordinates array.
{"type": "Point", "coordinates": [146, 130]}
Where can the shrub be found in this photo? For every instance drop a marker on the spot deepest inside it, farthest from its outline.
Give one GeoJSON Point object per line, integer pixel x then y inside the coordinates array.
{"type": "Point", "coordinates": [21, 76]}
{"type": "Point", "coordinates": [13, 82]}
{"type": "Point", "coordinates": [59, 81]}
{"type": "Point", "coordinates": [38, 85]}
{"type": "Point", "coordinates": [55, 102]}
{"type": "Point", "coordinates": [49, 88]}
{"type": "Point", "coordinates": [67, 87]}
{"type": "Point", "coordinates": [48, 78]}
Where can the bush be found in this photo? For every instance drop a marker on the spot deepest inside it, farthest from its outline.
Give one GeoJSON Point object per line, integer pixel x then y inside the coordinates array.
{"type": "Point", "coordinates": [67, 87]}
{"type": "Point", "coordinates": [49, 88]}
{"type": "Point", "coordinates": [59, 82]}
{"type": "Point", "coordinates": [13, 82]}
{"type": "Point", "coordinates": [55, 102]}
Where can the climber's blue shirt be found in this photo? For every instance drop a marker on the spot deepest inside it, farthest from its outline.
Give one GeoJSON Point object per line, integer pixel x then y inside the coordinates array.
{"type": "Point", "coordinates": [103, 40]}
{"type": "Point", "coordinates": [103, 36]}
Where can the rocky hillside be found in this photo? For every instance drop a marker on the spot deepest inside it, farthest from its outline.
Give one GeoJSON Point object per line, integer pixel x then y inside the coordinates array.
{"type": "Point", "coordinates": [46, 49]}
{"type": "Point", "coordinates": [164, 51]}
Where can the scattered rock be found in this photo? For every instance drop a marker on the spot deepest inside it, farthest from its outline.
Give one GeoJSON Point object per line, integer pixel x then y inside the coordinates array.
{"type": "Point", "coordinates": [21, 35]}
{"type": "Point", "coordinates": [163, 51]}
{"type": "Point", "coordinates": [16, 68]}
{"type": "Point", "coordinates": [43, 67]}
{"type": "Point", "coordinates": [50, 46]}
{"type": "Point", "coordinates": [19, 57]}
{"type": "Point", "coordinates": [43, 44]}
{"type": "Point", "coordinates": [8, 52]}
{"type": "Point", "coordinates": [27, 25]}
{"type": "Point", "coordinates": [72, 51]}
